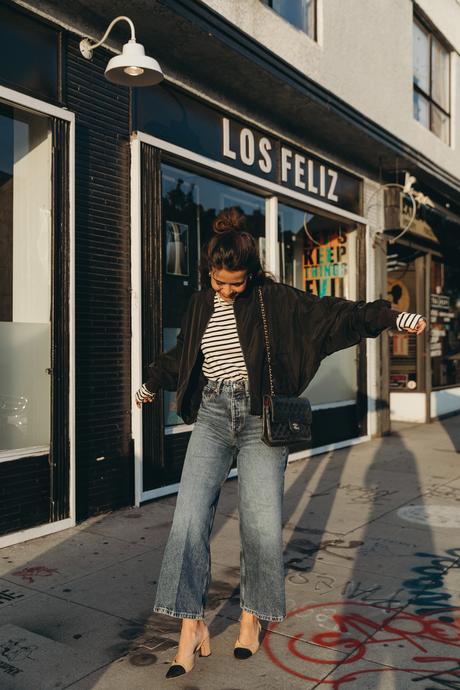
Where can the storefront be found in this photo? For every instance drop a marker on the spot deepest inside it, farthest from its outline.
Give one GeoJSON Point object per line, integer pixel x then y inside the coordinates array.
{"type": "Point", "coordinates": [37, 461]}
{"type": "Point", "coordinates": [190, 159]}
{"type": "Point", "coordinates": [65, 435]}
{"type": "Point", "coordinates": [106, 197]}
{"type": "Point", "coordinates": [424, 276]}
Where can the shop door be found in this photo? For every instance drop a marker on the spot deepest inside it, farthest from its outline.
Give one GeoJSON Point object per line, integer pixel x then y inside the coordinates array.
{"type": "Point", "coordinates": [179, 206]}
{"type": "Point", "coordinates": [408, 273]}
{"type": "Point", "coordinates": [34, 440]}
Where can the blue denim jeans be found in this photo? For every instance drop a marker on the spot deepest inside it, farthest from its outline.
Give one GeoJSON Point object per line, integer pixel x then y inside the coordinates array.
{"type": "Point", "coordinates": [224, 427]}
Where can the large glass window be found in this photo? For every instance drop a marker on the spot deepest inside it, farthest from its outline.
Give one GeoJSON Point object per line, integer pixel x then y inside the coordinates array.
{"type": "Point", "coordinates": [25, 278]}
{"type": "Point", "coordinates": [445, 323]}
{"type": "Point", "coordinates": [318, 255]}
{"type": "Point", "coordinates": [404, 272]}
{"type": "Point", "coordinates": [299, 13]}
{"type": "Point", "coordinates": [190, 204]}
{"type": "Point", "coordinates": [431, 82]}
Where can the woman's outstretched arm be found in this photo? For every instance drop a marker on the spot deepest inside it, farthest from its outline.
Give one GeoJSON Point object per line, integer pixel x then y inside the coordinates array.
{"type": "Point", "coordinates": [342, 323]}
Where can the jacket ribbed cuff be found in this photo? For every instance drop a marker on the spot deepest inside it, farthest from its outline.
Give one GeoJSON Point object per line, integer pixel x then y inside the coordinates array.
{"type": "Point", "coordinates": [407, 320]}
{"type": "Point", "coordinates": [144, 394]}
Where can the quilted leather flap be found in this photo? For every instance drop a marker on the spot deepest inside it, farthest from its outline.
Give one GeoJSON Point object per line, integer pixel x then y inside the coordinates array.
{"type": "Point", "coordinates": [292, 411]}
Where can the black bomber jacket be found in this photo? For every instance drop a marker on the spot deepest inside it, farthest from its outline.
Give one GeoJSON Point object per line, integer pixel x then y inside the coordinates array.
{"type": "Point", "coordinates": [304, 329]}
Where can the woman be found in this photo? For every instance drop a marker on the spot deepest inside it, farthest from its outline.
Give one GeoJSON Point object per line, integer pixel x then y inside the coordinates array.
{"type": "Point", "coordinates": [218, 370]}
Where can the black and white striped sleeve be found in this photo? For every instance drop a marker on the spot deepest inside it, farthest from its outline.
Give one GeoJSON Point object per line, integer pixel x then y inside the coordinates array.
{"type": "Point", "coordinates": [143, 394]}
{"type": "Point", "coordinates": [407, 320]}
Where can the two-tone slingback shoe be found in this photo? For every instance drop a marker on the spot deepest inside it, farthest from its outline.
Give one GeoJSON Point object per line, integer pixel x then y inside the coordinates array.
{"type": "Point", "coordinates": [244, 651]}
{"type": "Point", "coordinates": [203, 649]}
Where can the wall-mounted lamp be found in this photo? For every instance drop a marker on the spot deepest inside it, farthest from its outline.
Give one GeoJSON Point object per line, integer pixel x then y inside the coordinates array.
{"type": "Point", "coordinates": [133, 67]}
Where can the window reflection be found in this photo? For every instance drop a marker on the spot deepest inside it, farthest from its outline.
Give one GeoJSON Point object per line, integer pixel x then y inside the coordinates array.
{"type": "Point", "coordinates": [318, 255]}
{"type": "Point", "coordinates": [299, 13]}
{"type": "Point", "coordinates": [25, 278]}
{"type": "Point", "coordinates": [431, 74]}
{"type": "Point", "coordinates": [190, 204]}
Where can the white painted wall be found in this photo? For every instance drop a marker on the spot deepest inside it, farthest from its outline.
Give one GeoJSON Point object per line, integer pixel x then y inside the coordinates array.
{"type": "Point", "coordinates": [364, 56]}
{"type": "Point", "coordinates": [445, 401]}
{"type": "Point", "coordinates": [410, 407]}
{"type": "Point", "coordinates": [407, 407]}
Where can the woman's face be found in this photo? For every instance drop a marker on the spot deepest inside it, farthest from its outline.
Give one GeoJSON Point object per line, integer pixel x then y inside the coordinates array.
{"type": "Point", "coordinates": [228, 283]}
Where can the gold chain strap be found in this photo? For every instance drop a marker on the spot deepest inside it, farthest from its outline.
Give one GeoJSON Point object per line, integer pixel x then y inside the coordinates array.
{"type": "Point", "coordinates": [267, 342]}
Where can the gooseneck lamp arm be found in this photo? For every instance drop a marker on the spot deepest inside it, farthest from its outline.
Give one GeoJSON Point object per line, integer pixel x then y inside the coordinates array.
{"type": "Point", "coordinates": [86, 47]}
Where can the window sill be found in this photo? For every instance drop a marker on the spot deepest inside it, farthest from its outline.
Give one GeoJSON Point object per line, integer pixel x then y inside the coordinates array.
{"type": "Point", "coordinates": [19, 453]}
{"type": "Point", "coordinates": [427, 129]}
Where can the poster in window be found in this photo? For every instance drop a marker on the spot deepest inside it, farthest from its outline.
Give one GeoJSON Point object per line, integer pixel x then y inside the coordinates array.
{"type": "Point", "coordinates": [177, 248]}
{"type": "Point", "coordinates": [398, 294]}
{"type": "Point", "coordinates": [325, 266]}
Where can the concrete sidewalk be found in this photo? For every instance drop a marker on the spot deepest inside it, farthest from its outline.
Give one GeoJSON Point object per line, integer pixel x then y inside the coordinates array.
{"type": "Point", "coordinates": [372, 559]}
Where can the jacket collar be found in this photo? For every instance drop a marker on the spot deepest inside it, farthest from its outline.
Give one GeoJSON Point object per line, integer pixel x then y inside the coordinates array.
{"type": "Point", "coordinates": [243, 296]}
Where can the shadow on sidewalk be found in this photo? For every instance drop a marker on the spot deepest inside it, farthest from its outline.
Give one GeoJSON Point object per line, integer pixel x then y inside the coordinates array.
{"type": "Point", "coordinates": [366, 559]}
{"type": "Point", "coordinates": [373, 607]}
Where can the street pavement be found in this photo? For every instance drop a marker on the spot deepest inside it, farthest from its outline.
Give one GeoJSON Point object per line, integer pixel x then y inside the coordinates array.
{"type": "Point", "coordinates": [372, 562]}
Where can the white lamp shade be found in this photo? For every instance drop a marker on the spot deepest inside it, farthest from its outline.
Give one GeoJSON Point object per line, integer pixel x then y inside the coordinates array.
{"type": "Point", "coordinates": [133, 67]}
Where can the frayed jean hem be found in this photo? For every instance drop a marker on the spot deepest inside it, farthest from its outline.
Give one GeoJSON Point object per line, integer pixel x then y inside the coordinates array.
{"type": "Point", "coordinates": [177, 614]}
{"type": "Point", "coordinates": [262, 616]}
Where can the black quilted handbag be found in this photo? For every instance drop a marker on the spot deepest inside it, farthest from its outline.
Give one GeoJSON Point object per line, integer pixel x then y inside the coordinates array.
{"type": "Point", "coordinates": [285, 419]}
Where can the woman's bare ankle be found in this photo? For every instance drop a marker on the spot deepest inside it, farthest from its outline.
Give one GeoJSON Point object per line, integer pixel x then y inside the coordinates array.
{"type": "Point", "coordinates": [193, 623]}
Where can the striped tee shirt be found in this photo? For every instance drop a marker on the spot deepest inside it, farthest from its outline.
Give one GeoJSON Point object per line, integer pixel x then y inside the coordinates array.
{"type": "Point", "coordinates": [221, 347]}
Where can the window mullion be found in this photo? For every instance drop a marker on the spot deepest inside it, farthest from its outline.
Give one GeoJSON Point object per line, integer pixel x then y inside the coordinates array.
{"type": "Point", "coordinates": [431, 82]}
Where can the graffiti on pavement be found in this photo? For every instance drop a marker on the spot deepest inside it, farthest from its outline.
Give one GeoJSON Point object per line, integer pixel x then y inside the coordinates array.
{"type": "Point", "coordinates": [28, 574]}
{"type": "Point", "coordinates": [426, 588]}
{"type": "Point", "coordinates": [368, 625]}
{"type": "Point", "coordinates": [419, 645]}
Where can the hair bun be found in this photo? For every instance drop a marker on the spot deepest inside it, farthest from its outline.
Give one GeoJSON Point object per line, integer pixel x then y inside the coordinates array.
{"type": "Point", "coordinates": [229, 219]}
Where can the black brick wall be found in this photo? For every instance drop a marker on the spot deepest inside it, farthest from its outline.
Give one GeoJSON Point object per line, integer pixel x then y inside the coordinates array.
{"type": "Point", "coordinates": [103, 300]}
{"type": "Point", "coordinates": [24, 493]}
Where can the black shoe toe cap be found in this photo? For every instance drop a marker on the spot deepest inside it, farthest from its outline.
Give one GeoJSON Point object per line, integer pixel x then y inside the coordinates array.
{"type": "Point", "coordinates": [175, 670]}
{"type": "Point", "coordinates": [242, 653]}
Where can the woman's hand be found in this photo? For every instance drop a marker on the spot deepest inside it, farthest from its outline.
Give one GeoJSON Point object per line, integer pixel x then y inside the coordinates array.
{"type": "Point", "coordinates": [143, 395]}
{"type": "Point", "coordinates": [411, 323]}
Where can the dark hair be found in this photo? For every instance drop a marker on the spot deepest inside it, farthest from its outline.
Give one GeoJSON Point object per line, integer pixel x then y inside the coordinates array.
{"type": "Point", "coordinates": [232, 247]}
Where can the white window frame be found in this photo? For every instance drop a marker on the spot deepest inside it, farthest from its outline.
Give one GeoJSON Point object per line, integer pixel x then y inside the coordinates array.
{"type": "Point", "coordinates": [16, 98]}
{"type": "Point", "coordinates": [418, 21]}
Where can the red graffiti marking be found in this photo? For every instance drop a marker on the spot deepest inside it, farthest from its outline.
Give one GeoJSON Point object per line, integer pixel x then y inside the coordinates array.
{"type": "Point", "coordinates": [28, 574]}
{"type": "Point", "coordinates": [351, 631]}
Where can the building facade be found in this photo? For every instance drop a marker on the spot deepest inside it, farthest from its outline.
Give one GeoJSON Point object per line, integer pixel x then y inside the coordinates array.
{"type": "Point", "coordinates": [107, 194]}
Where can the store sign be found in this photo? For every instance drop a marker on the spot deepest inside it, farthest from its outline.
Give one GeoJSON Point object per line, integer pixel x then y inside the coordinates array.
{"type": "Point", "coordinates": [440, 316]}
{"type": "Point", "coordinates": [296, 170]}
{"type": "Point", "coordinates": [441, 302]}
{"type": "Point", "coordinates": [173, 116]}
{"type": "Point", "coordinates": [325, 267]}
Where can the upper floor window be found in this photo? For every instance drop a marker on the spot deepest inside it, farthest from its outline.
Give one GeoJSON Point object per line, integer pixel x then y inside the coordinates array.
{"type": "Point", "coordinates": [431, 82]}
{"type": "Point", "coordinates": [300, 13]}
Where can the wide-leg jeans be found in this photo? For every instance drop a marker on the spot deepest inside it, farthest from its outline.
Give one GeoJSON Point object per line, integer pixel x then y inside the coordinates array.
{"type": "Point", "coordinates": [224, 427]}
